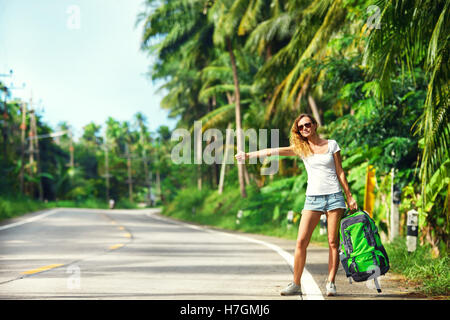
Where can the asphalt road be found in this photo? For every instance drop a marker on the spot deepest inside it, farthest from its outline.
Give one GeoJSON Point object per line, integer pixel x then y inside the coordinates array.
{"type": "Point", "coordinates": [138, 254]}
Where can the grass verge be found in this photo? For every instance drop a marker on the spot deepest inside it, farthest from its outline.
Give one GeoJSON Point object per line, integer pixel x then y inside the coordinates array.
{"type": "Point", "coordinates": [11, 207]}
{"type": "Point", "coordinates": [427, 275]}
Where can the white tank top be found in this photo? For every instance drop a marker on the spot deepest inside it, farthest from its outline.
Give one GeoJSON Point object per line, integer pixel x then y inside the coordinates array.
{"type": "Point", "coordinates": [322, 177]}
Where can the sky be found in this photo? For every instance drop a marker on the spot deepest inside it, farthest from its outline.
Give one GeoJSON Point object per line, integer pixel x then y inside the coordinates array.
{"type": "Point", "coordinates": [80, 61]}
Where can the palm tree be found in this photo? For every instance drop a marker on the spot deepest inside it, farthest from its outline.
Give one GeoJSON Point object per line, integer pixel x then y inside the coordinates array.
{"type": "Point", "coordinates": [294, 31]}
{"type": "Point", "coordinates": [184, 52]}
{"type": "Point", "coordinates": [90, 135]}
{"type": "Point", "coordinates": [180, 37]}
{"type": "Point", "coordinates": [226, 15]}
{"type": "Point", "coordinates": [416, 33]}
{"type": "Point", "coordinates": [141, 122]}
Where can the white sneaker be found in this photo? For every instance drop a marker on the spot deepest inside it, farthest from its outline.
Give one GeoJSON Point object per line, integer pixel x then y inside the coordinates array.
{"type": "Point", "coordinates": [291, 290]}
{"type": "Point", "coordinates": [331, 289]}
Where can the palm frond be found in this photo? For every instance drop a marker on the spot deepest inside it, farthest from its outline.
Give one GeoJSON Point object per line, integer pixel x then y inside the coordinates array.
{"type": "Point", "coordinates": [415, 33]}
{"type": "Point", "coordinates": [223, 114]}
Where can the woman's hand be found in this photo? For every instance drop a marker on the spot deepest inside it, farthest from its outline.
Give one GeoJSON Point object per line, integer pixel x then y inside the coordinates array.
{"type": "Point", "coordinates": [241, 156]}
{"type": "Point", "coordinates": [352, 203]}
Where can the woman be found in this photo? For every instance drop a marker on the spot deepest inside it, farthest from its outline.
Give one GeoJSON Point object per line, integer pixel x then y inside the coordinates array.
{"type": "Point", "coordinates": [324, 195]}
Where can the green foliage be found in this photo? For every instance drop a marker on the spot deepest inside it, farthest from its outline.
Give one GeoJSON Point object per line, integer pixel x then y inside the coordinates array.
{"type": "Point", "coordinates": [84, 183]}
{"type": "Point", "coordinates": [420, 267]}
{"type": "Point", "coordinates": [11, 207]}
{"type": "Point", "coordinates": [221, 210]}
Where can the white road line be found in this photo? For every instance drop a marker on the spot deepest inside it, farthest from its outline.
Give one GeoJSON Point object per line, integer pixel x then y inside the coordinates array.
{"type": "Point", "coordinates": [56, 210]}
{"type": "Point", "coordinates": [311, 290]}
{"type": "Point", "coordinates": [35, 218]}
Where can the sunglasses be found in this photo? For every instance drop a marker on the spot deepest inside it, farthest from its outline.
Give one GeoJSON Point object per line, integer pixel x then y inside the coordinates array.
{"type": "Point", "coordinates": [307, 125]}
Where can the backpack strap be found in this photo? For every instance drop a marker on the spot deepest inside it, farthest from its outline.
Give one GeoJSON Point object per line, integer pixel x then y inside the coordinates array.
{"type": "Point", "coordinates": [374, 259]}
{"type": "Point", "coordinates": [377, 284]}
{"type": "Point", "coordinates": [347, 212]}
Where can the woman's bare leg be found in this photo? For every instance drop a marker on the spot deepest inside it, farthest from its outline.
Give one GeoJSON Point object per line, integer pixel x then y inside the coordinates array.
{"type": "Point", "coordinates": [333, 218]}
{"type": "Point", "coordinates": [308, 222]}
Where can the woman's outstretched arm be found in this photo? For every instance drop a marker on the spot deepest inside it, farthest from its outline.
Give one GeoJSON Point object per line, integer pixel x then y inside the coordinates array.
{"type": "Point", "coordinates": [283, 151]}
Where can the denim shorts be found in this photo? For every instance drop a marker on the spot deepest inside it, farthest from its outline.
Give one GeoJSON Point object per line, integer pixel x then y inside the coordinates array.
{"type": "Point", "coordinates": [325, 202]}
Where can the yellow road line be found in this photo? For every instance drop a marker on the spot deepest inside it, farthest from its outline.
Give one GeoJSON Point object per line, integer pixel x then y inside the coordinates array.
{"type": "Point", "coordinates": [121, 228]}
{"type": "Point", "coordinates": [127, 235]}
{"type": "Point", "coordinates": [45, 268]}
{"type": "Point", "coordinates": [116, 246]}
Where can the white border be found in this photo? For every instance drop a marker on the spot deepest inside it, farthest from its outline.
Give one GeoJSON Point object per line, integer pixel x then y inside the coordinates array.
{"type": "Point", "coordinates": [35, 218]}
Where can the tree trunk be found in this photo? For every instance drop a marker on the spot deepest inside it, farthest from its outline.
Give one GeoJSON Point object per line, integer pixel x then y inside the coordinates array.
{"type": "Point", "coordinates": [5, 128]}
{"type": "Point", "coordinates": [225, 156]}
{"type": "Point", "coordinates": [158, 185]}
{"type": "Point", "coordinates": [268, 52]}
{"type": "Point", "coordinates": [240, 144]}
{"type": "Point", "coordinates": [214, 166]}
{"type": "Point", "coordinates": [301, 93]}
{"type": "Point", "coordinates": [198, 155]}
{"type": "Point", "coordinates": [314, 109]}
{"type": "Point", "coordinates": [148, 180]}
{"type": "Point", "coordinates": [246, 176]}
{"type": "Point", "coordinates": [35, 141]}
{"type": "Point", "coordinates": [214, 173]}
{"type": "Point", "coordinates": [130, 181]}
{"type": "Point", "coordinates": [107, 168]}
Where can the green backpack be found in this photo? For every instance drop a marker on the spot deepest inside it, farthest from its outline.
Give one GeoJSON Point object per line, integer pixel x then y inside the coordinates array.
{"type": "Point", "coordinates": [362, 254]}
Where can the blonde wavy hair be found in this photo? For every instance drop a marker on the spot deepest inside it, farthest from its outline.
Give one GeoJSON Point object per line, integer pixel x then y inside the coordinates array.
{"type": "Point", "coordinates": [298, 142]}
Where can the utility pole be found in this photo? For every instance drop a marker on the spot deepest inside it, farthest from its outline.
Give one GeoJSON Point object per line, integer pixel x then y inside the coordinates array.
{"type": "Point", "coordinates": [130, 181]}
{"type": "Point", "coordinates": [158, 184]}
{"type": "Point", "coordinates": [129, 157]}
{"type": "Point", "coordinates": [4, 126]}
{"type": "Point", "coordinates": [23, 128]}
{"type": "Point", "coordinates": [35, 149]}
{"type": "Point", "coordinates": [7, 91]}
{"type": "Point", "coordinates": [31, 152]}
{"type": "Point", "coordinates": [71, 164]}
{"type": "Point", "coordinates": [148, 175]}
{"type": "Point", "coordinates": [5, 116]}
{"type": "Point", "coordinates": [106, 167]}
